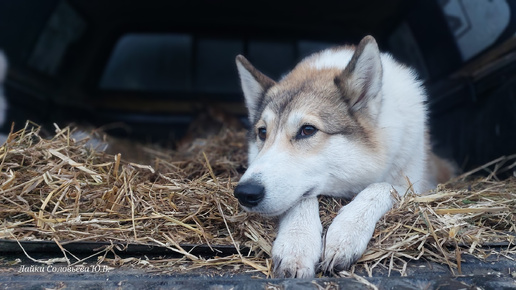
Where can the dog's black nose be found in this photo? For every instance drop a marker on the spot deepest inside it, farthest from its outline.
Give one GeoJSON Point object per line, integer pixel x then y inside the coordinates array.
{"type": "Point", "coordinates": [249, 194]}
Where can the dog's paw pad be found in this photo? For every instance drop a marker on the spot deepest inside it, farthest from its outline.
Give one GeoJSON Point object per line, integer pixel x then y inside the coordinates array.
{"type": "Point", "coordinates": [294, 266]}
{"type": "Point", "coordinates": [292, 269]}
{"type": "Point", "coordinates": [344, 246]}
{"type": "Point", "coordinates": [296, 257]}
{"type": "Point", "coordinates": [337, 261]}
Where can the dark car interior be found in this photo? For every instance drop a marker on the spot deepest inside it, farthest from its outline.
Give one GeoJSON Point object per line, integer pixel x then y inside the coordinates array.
{"type": "Point", "coordinates": [152, 66]}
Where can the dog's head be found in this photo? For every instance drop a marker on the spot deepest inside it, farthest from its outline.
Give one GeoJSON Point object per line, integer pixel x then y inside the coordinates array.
{"type": "Point", "coordinates": [312, 132]}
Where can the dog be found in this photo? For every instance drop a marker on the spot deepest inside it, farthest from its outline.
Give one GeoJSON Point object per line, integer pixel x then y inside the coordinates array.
{"type": "Point", "coordinates": [345, 122]}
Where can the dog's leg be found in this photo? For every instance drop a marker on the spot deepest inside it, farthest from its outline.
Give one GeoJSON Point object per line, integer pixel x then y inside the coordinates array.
{"type": "Point", "coordinates": [348, 235]}
{"type": "Point", "coordinates": [297, 248]}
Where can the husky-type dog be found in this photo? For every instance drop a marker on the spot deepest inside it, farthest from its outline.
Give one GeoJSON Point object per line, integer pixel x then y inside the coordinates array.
{"type": "Point", "coordinates": [345, 122]}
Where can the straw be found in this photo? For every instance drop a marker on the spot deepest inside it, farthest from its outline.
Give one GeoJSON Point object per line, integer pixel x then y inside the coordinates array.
{"type": "Point", "coordinates": [60, 189]}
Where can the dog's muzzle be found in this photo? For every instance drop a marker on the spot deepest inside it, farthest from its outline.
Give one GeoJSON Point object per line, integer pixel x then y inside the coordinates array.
{"type": "Point", "coordinates": [249, 194]}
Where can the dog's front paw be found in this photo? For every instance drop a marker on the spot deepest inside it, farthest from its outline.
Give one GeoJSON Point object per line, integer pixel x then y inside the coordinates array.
{"type": "Point", "coordinates": [346, 240]}
{"type": "Point", "coordinates": [296, 256]}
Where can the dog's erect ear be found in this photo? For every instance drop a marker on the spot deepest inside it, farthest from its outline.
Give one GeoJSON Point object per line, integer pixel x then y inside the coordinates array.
{"type": "Point", "coordinates": [361, 80]}
{"type": "Point", "coordinates": [3, 66]}
{"type": "Point", "coordinates": [254, 85]}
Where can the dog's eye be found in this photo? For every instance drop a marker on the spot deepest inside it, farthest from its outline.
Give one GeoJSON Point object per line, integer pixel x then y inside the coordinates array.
{"type": "Point", "coordinates": [306, 131]}
{"type": "Point", "coordinates": [262, 133]}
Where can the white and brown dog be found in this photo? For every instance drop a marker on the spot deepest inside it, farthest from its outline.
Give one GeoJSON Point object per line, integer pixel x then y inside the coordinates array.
{"type": "Point", "coordinates": [346, 122]}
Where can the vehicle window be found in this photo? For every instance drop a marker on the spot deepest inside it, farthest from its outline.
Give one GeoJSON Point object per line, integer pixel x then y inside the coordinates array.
{"type": "Point", "coordinates": [215, 65]}
{"type": "Point", "coordinates": [185, 63]}
{"type": "Point", "coordinates": [150, 62]}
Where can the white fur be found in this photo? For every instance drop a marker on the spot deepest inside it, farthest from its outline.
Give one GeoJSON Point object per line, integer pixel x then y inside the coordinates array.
{"type": "Point", "coordinates": [351, 230]}
{"type": "Point", "coordinates": [402, 113]}
{"type": "Point", "coordinates": [300, 258]}
{"type": "Point", "coordinates": [343, 167]}
{"type": "Point", "coordinates": [250, 87]}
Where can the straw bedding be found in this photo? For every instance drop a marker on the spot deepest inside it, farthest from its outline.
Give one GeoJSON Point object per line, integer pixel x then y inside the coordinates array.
{"type": "Point", "coordinates": [60, 189]}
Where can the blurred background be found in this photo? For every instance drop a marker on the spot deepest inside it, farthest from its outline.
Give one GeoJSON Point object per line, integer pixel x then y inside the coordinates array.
{"type": "Point", "coordinates": [153, 71]}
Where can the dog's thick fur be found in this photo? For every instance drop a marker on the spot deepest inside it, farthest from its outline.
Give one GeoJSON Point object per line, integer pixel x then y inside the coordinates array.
{"type": "Point", "coordinates": [346, 122]}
